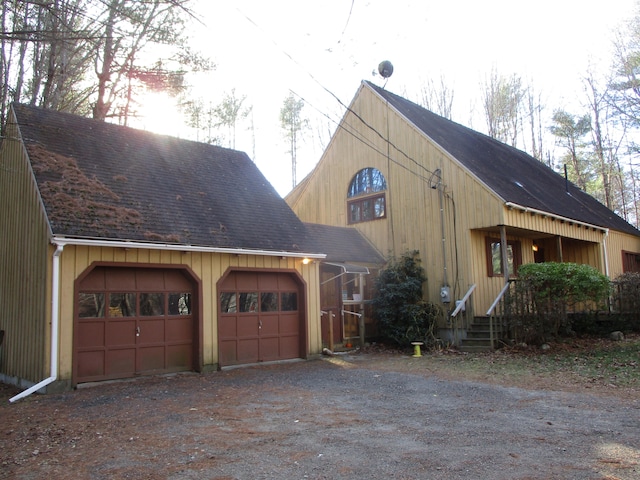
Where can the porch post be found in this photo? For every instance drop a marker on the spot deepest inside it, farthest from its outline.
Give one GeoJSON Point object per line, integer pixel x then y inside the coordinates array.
{"type": "Point", "coordinates": [559, 245]}
{"type": "Point", "coordinates": [361, 310]}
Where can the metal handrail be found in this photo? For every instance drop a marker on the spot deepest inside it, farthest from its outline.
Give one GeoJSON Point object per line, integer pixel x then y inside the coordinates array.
{"type": "Point", "coordinates": [492, 308]}
{"type": "Point", "coordinates": [498, 298]}
{"type": "Point", "coordinates": [464, 299]}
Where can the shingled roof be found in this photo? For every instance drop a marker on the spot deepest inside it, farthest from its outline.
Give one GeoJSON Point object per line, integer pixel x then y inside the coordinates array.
{"type": "Point", "coordinates": [343, 244]}
{"type": "Point", "coordinates": [99, 180]}
{"type": "Point", "coordinates": [512, 174]}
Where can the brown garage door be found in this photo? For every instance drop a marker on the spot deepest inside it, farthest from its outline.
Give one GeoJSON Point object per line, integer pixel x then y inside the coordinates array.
{"type": "Point", "coordinates": [260, 318]}
{"type": "Point", "coordinates": [133, 321]}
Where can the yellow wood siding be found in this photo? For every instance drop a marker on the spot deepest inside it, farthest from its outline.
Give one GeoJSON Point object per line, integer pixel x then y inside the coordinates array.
{"type": "Point", "coordinates": [408, 162]}
{"type": "Point", "coordinates": [618, 242]}
{"type": "Point", "coordinates": [208, 267]}
{"type": "Point", "coordinates": [471, 211]}
{"type": "Point", "coordinates": [23, 268]}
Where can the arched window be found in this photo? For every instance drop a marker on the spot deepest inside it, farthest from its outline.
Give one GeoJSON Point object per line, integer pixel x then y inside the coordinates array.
{"type": "Point", "coordinates": [366, 196]}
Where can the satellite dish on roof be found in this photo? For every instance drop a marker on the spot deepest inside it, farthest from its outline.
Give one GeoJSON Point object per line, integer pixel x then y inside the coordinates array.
{"type": "Point", "coordinates": [385, 69]}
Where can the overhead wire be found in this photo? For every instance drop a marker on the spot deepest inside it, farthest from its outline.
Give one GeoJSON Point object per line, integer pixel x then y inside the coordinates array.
{"type": "Point", "coordinates": [337, 99]}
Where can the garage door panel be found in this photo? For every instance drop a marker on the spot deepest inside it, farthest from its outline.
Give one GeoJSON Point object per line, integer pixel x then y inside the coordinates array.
{"type": "Point", "coordinates": [91, 364]}
{"type": "Point", "coordinates": [92, 333]}
{"type": "Point", "coordinates": [179, 329]}
{"type": "Point", "coordinates": [247, 326]}
{"type": "Point", "coordinates": [248, 350]}
{"type": "Point", "coordinates": [290, 346]}
{"type": "Point", "coordinates": [120, 279]}
{"type": "Point", "coordinates": [121, 361]}
{"type": "Point", "coordinates": [227, 327]}
{"type": "Point", "coordinates": [151, 331]}
{"type": "Point", "coordinates": [289, 324]}
{"type": "Point", "coordinates": [270, 325]}
{"type": "Point", "coordinates": [121, 332]}
{"type": "Point", "coordinates": [246, 281]}
{"type": "Point", "coordinates": [151, 359]}
{"type": "Point", "coordinates": [180, 356]}
{"type": "Point", "coordinates": [228, 352]}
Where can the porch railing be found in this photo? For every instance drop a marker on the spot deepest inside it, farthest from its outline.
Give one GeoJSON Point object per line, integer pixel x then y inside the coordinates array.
{"type": "Point", "coordinates": [461, 306]}
{"type": "Point", "coordinates": [502, 312]}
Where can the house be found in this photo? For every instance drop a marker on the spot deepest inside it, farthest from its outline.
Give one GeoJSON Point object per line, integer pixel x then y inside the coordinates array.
{"type": "Point", "coordinates": [408, 179]}
{"type": "Point", "coordinates": [125, 253]}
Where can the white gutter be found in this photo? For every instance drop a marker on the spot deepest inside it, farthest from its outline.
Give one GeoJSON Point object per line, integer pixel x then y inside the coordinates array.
{"type": "Point", "coordinates": [55, 327]}
{"type": "Point", "coordinates": [62, 241]}
{"type": "Point", "coordinates": [553, 215]}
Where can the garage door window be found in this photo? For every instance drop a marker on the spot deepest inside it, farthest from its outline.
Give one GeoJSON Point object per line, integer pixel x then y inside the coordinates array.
{"type": "Point", "coordinates": [151, 304]}
{"type": "Point", "coordinates": [91, 305]}
{"type": "Point", "coordinates": [248, 302]}
{"type": "Point", "coordinates": [268, 302]}
{"type": "Point", "coordinates": [289, 302]}
{"type": "Point", "coordinates": [122, 304]}
{"type": "Point", "coordinates": [179, 304]}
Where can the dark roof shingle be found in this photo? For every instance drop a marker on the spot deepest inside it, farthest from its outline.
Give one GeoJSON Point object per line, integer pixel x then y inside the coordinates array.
{"type": "Point", "coordinates": [100, 180]}
{"type": "Point", "coordinates": [513, 174]}
{"type": "Point", "coordinates": [343, 244]}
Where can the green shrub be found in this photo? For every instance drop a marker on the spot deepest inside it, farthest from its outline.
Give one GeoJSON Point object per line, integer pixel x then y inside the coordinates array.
{"type": "Point", "coordinates": [398, 307]}
{"type": "Point", "coordinates": [557, 289]}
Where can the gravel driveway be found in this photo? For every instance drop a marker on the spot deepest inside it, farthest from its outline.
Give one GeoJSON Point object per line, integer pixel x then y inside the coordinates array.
{"type": "Point", "coordinates": [330, 418]}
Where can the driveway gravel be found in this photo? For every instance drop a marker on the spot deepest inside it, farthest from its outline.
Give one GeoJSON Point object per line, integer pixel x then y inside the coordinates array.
{"type": "Point", "coordinates": [340, 417]}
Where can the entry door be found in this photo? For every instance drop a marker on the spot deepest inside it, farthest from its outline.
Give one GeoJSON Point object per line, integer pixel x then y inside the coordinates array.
{"type": "Point", "coordinates": [260, 318]}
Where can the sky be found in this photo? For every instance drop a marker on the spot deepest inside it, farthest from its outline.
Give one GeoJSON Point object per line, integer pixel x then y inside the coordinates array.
{"type": "Point", "coordinates": [322, 50]}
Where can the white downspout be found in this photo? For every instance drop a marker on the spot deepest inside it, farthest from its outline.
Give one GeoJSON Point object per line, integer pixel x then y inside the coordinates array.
{"type": "Point", "coordinates": [55, 327]}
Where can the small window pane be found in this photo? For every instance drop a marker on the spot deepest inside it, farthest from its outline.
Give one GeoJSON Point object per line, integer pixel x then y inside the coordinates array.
{"type": "Point", "coordinates": [289, 302]}
{"type": "Point", "coordinates": [496, 258]}
{"type": "Point", "coordinates": [367, 210]}
{"type": "Point", "coordinates": [248, 302]}
{"type": "Point", "coordinates": [179, 304]}
{"type": "Point", "coordinates": [151, 304]}
{"type": "Point", "coordinates": [122, 304]}
{"type": "Point", "coordinates": [91, 305]}
{"type": "Point", "coordinates": [379, 207]}
{"type": "Point", "coordinates": [269, 302]}
{"type": "Point", "coordinates": [354, 212]}
{"type": "Point", "coordinates": [228, 302]}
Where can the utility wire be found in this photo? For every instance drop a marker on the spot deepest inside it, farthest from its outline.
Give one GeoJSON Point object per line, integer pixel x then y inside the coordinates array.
{"type": "Point", "coordinates": [340, 102]}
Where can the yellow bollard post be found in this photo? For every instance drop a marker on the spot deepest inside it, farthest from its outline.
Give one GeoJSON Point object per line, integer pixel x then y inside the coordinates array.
{"type": "Point", "coordinates": [416, 349]}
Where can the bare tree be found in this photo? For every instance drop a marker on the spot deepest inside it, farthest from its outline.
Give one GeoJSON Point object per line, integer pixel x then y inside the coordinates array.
{"type": "Point", "coordinates": [229, 112]}
{"type": "Point", "coordinates": [502, 102]}
{"type": "Point", "coordinates": [438, 99]}
{"type": "Point", "coordinates": [293, 124]}
{"type": "Point", "coordinates": [535, 109]}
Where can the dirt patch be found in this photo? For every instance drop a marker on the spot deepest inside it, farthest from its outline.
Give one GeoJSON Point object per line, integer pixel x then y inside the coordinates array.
{"type": "Point", "coordinates": [372, 415]}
